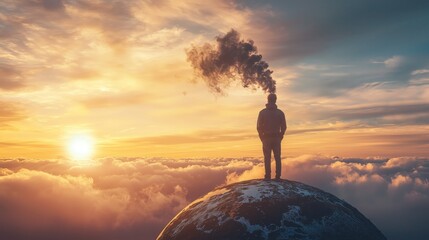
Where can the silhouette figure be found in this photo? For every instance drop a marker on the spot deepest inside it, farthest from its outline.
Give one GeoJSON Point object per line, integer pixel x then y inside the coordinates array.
{"type": "Point", "coordinates": [271, 128]}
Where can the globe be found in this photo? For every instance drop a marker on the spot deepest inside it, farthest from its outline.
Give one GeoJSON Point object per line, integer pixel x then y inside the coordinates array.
{"type": "Point", "coordinates": [270, 209]}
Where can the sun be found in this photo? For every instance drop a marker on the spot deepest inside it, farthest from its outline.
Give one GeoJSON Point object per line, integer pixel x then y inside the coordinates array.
{"type": "Point", "coordinates": [80, 147]}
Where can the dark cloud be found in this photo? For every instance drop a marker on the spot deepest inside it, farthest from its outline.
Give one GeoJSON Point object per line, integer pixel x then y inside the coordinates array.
{"type": "Point", "coordinates": [53, 4]}
{"type": "Point", "coordinates": [302, 29]}
{"type": "Point", "coordinates": [114, 9]}
{"type": "Point", "coordinates": [40, 13]}
{"type": "Point", "coordinates": [230, 59]}
{"type": "Point", "coordinates": [399, 114]}
{"type": "Point", "coordinates": [382, 111]}
{"type": "Point", "coordinates": [346, 33]}
{"type": "Point", "coordinates": [133, 198]}
{"type": "Point", "coordinates": [50, 5]}
{"type": "Point", "coordinates": [419, 139]}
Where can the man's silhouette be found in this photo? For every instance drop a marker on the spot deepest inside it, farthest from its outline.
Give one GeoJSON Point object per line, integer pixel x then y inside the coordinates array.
{"type": "Point", "coordinates": [271, 128]}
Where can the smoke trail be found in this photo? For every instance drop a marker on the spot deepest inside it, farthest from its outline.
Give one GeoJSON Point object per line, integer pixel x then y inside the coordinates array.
{"type": "Point", "coordinates": [231, 59]}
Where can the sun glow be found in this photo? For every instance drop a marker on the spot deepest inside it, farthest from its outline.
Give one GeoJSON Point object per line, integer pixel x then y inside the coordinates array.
{"type": "Point", "coordinates": [80, 147]}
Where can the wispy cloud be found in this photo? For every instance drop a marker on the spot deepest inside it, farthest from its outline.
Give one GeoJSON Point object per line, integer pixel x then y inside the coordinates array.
{"type": "Point", "coordinates": [393, 62]}
{"type": "Point", "coordinates": [420, 71]}
{"type": "Point", "coordinates": [10, 77]}
{"type": "Point", "coordinates": [10, 112]}
{"type": "Point", "coordinates": [196, 137]}
{"type": "Point", "coordinates": [108, 100]}
{"type": "Point", "coordinates": [382, 111]}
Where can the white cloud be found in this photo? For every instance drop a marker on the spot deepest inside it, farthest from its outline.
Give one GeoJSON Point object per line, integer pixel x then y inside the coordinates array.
{"type": "Point", "coordinates": [421, 81]}
{"type": "Point", "coordinates": [393, 62]}
{"type": "Point", "coordinates": [420, 71]}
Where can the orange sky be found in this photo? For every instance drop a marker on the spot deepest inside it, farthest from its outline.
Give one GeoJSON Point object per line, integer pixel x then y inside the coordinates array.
{"type": "Point", "coordinates": [118, 72]}
{"type": "Point", "coordinates": [352, 78]}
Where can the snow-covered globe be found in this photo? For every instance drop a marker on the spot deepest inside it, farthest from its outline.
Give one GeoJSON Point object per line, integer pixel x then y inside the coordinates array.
{"type": "Point", "coordinates": [269, 209]}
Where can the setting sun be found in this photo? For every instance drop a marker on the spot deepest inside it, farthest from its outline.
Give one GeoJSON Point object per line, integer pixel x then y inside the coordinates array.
{"type": "Point", "coordinates": [80, 147]}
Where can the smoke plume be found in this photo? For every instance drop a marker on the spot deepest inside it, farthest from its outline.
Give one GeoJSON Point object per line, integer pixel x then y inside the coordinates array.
{"type": "Point", "coordinates": [231, 59]}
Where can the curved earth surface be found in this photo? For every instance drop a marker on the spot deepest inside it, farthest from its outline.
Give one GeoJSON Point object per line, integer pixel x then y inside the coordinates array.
{"type": "Point", "coordinates": [261, 209]}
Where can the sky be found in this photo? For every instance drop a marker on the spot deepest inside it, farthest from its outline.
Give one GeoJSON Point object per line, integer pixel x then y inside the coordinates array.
{"type": "Point", "coordinates": [352, 77]}
{"type": "Point", "coordinates": [113, 80]}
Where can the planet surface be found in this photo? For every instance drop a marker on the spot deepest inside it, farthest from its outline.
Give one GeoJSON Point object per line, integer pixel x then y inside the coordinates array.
{"type": "Point", "coordinates": [270, 209]}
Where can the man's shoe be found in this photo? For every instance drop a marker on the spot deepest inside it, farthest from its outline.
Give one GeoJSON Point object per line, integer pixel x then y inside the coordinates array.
{"type": "Point", "coordinates": [278, 178]}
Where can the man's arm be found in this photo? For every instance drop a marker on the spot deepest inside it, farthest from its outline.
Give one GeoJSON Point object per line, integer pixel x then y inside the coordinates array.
{"type": "Point", "coordinates": [259, 126]}
{"type": "Point", "coordinates": [283, 125]}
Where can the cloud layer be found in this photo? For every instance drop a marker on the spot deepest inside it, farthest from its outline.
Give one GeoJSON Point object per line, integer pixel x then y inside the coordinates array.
{"type": "Point", "coordinates": [133, 198]}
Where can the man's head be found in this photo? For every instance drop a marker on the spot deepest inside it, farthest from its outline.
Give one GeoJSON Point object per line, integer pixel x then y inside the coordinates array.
{"type": "Point", "coordinates": [272, 98]}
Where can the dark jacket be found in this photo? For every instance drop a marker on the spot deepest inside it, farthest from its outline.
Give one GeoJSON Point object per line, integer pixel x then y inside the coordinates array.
{"type": "Point", "coordinates": [271, 122]}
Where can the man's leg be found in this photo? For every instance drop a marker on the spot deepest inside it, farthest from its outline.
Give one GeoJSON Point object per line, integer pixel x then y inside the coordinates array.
{"type": "Point", "coordinates": [277, 157]}
{"type": "Point", "coordinates": [266, 148]}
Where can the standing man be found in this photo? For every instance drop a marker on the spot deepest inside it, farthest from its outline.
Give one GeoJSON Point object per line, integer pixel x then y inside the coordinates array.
{"type": "Point", "coordinates": [271, 128]}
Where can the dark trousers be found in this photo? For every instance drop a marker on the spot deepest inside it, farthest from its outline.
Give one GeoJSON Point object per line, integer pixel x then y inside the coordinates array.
{"type": "Point", "coordinates": [268, 145]}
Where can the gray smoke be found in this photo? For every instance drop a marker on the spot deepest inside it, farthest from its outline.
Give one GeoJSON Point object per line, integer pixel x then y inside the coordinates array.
{"type": "Point", "coordinates": [231, 59]}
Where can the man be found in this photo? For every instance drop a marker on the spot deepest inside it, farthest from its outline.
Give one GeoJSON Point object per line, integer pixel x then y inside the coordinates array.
{"type": "Point", "coordinates": [271, 128]}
